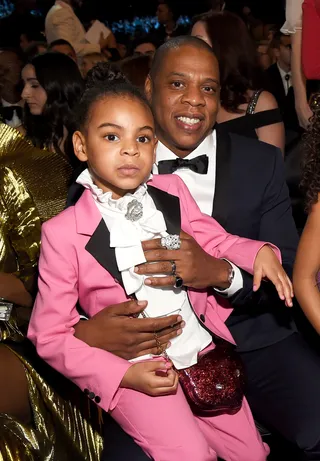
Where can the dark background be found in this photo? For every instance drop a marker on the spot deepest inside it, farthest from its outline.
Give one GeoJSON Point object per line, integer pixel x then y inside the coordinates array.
{"type": "Point", "coordinates": [270, 11]}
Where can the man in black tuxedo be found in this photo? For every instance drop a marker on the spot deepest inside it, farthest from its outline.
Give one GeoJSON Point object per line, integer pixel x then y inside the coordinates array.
{"type": "Point", "coordinates": [278, 80]}
{"type": "Point", "coordinates": [240, 182]}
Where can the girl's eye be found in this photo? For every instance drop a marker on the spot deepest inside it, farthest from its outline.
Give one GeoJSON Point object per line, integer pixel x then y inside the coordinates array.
{"type": "Point", "coordinates": [111, 137]}
{"type": "Point", "coordinates": [34, 86]}
{"type": "Point", "coordinates": [143, 139]}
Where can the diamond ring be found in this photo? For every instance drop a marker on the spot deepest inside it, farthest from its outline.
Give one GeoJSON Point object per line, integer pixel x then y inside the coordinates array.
{"type": "Point", "coordinates": [171, 242]}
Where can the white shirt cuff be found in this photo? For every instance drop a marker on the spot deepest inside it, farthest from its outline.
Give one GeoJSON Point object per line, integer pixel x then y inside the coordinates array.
{"type": "Point", "coordinates": [83, 317]}
{"type": "Point", "coordinates": [236, 285]}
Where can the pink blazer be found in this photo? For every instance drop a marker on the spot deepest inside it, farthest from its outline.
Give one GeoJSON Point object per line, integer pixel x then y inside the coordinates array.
{"type": "Point", "coordinates": [77, 264]}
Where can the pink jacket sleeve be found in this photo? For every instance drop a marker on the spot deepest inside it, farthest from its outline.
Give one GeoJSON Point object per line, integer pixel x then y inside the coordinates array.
{"type": "Point", "coordinates": [55, 314]}
{"type": "Point", "coordinates": [215, 240]}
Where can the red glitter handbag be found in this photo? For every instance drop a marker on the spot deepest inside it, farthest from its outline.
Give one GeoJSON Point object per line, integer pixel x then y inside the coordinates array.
{"type": "Point", "coordinates": [215, 385]}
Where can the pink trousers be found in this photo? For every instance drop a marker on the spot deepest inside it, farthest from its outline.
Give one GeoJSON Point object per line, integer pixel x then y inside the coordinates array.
{"type": "Point", "coordinates": [167, 430]}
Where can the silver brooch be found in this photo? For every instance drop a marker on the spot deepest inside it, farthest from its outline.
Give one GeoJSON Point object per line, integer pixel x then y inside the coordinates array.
{"type": "Point", "coordinates": [134, 210]}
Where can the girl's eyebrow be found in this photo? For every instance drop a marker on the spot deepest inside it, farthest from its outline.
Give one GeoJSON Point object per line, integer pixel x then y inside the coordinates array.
{"type": "Point", "coordinates": [114, 125]}
{"type": "Point", "coordinates": [146, 127]}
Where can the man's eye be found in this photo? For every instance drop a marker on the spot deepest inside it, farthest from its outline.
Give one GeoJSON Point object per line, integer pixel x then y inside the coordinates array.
{"type": "Point", "coordinates": [209, 89]}
{"type": "Point", "coordinates": [177, 84]}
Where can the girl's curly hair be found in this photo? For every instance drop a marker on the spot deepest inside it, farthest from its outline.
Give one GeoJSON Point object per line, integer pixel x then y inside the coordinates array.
{"type": "Point", "coordinates": [310, 182]}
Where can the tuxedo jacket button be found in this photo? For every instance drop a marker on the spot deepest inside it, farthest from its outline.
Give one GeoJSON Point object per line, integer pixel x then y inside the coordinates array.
{"type": "Point", "coordinates": [97, 399]}
{"type": "Point", "coordinates": [202, 318]}
{"type": "Point", "coordinates": [86, 391]}
{"type": "Point", "coordinates": [91, 395]}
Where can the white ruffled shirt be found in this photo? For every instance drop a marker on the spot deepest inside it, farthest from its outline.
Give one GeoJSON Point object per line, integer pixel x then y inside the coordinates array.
{"type": "Point", "coordinates": [126, 237]}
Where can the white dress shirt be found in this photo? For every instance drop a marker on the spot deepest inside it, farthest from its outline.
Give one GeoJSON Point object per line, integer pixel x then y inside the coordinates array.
{"type": "Point", "coordinates": [286, 83]}
{"type": "Point", "coordinates": [202, 188]}
{"type": "Point", "coordinates": [126, 237]}
{"type": "Point", "coordinates": [15, 122]}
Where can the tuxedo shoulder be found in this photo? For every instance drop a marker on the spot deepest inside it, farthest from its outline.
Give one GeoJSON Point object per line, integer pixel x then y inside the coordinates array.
{"type": "Point", "coordinates": [249, 147]}
{"type": "Point", "coordinates": [272, 69]}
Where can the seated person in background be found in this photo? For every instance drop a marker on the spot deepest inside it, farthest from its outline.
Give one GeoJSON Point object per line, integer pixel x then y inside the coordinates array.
{"type": "Point", "coordinates": [64, 47]}
{"type": "Point", "coordinates": [35, 49]}
{"type": "Point", "coordinates": [265, 59]}
{"type": "Point", "coordinates": [62, 23]}
{"type": "Point", "coordinates": [30, 37]}
{"type": "Point", "coordinates": [11, 103]}
{"type": "Point", "coordinates": [168, 14]}
{"type": "Point", "coordinates": [88, 61]}
{"type": "Point", "coordinates": [136, 69]}
{"type": "Point", "coordinates": [245, 108]}
{"type": "Point", "coordinates": [278, 80]}
{"type": "Point", "coordinates": [122, 47]}
{"type": "Point", "coordinates": [144, 45]}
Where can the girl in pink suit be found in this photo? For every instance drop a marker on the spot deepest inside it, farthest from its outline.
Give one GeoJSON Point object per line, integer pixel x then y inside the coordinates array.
{"type": "Point", "coordinates": [88, 248]}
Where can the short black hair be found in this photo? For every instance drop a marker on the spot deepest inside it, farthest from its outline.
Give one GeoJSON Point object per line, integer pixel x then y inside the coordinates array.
{"type": "Point", "coordinates": [173, 7]}
{"type": "Point", "coordinates": [276, 41]}
{"type": "Point", "coordinates": [60, 42]}
{"type": "Point", "coordinates": [174, 44]}
{"type": "Point", "coordinates": [102, 80]}
{"type": "Point", "coordinates": [143, 39]}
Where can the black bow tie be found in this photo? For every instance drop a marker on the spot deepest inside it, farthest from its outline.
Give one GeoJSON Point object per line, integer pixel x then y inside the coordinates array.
{"type": "Point", "coordinates": [198, 165]}
{"type": "Point", "coordinates": [8, 111]}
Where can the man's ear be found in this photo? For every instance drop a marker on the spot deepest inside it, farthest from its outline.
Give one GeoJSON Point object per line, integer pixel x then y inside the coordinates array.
{"type": "Point", "coordinates": [148, 88]}
{"type": "Point", "coordinates": [79, 146]}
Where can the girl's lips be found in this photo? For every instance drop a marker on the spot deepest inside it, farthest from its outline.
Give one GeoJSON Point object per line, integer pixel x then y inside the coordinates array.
{"type": "Point", "coordinates": [128, 170]}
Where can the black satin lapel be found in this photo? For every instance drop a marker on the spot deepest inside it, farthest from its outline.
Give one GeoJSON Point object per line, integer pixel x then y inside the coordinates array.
{"type": "Point", "coordinates": [99, 247]}
{"type": "Point", "coordinates": [169, 205]}
{"type": "Point", "coordinates": [221, 203]}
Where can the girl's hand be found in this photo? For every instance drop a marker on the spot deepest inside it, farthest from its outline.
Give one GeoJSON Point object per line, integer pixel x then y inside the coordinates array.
{"type": "Point", "coordinates": [267, 266]}
{"type": "Point", "coordinates": [154, 378]}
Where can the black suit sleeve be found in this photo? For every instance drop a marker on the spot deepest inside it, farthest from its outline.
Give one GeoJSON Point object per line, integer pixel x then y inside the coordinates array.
{"type": "Point", "coordinates": [277, 227]}
{"type": "Point", "coordinates": [75, 190]}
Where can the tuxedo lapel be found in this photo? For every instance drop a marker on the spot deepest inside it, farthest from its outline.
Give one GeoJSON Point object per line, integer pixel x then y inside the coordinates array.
{"type": "Point", "coordinates": [169, 205]}
{"type": "Point", "coordinates": [89, 222]}
{"type": "Point", "coordinates": [99, 247]}
{"type": "Point", "coordinates": [99, 243]}
{"type": "Point", "coordinates": [222, 185]}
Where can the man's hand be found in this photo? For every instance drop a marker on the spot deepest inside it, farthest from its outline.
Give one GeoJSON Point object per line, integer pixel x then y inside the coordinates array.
{"type": "Point", "coordinates": [115, 330]}
{"type": "Point", "coordinates": [196, 267]}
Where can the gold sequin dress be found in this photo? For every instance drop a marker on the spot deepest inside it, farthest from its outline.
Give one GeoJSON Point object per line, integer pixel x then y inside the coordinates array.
{"type": "Point", "coordinates": [33, 188]}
